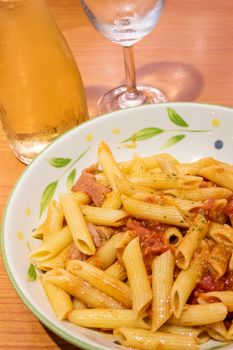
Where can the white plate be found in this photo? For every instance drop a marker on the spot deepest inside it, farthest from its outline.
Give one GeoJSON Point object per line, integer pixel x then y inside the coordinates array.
{"type": "Point", "coordinates": [199, 130]}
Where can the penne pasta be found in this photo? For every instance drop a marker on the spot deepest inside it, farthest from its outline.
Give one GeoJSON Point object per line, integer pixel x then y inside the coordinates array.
{"type": "Point", "coordinates": [107, 319]}
{"type": "Point", "coordinates": [129, 189]}
{"type": "Point", "coordinates": [173, 236]}
{"type": "Point", "coordinates": [151, 260]}
{"type": "Point", "coordinates": [150, 163]}
{"type": "Point", "coordinates": [222, 234]}
{"type": "Point", "coordinates": [122, 244]}
{"type": "Point", "coordinates": [80, 289]}
{"type": "Point", "coordinates": [144, 339]}
{"type": "Point", "coordinates": [167, 181]}
{"type": "Point", "coordinates": [137, 275]}
{"type": "Point", "coordinates": [138, 166]}
{"type": "Point", "coordinates": [200, 334]}
{"type": "Point", "coordinates": [219, 175]}
{"type": "Point", "coordinates": [108, 164]}
{"type": "Point", "coordinates": [187, 169]}
{"type": "Point", "coordinates": [101, 281]}
{"type": "Point", "coordinates": [205, 162]}
{"type": "Point", "coordinates": [54, 220]}
{"type": "Point", "coordinates": [57, 261]}
{"type": "Point", "coordinates": [101, 178]}
{"type": "Point", "coordinates": [191, 241]}
{"type": "Point", "coordinates": [219, 260]}
{"type": "Point", "coordinates": [52, 223]}
{"type": "Point", "coordinates": [53, 246]}
{"type": "Point", "coordinates": [106, 255]}
{"type": "Point", "coordinates": [200, 194]}
{"type": "Point", "coordinates": [81, 197]}
{"type": "Point", "coordinates": [200, 315]}
{"type": "Point", "coordinates": [77, 224]}
{"type": "Point", "coordinates": [112, 201]}
{"type": "Point", "coordinates": [103, 216]}
{"type": "Point", "coordinates": [226, 297]}
{"type": "Point", "coordinates": [185, 283]}
{"type": "Point", "coordinates": [218, 331]}
{"type": "Point", "coordinates": [162, 281]}
{"type": "Point", "coordinates": [59, 299]}
{"type": "Point", "coordinates": [117, 271]}
{"type": "Point", "coordinates": [148, 211]}
{"type": "Point", "coordinates": [185, 205]}
{"type": "Point", "coordinates": [38, 232]}
{"type": "Point", "coordinates": [166, 164]}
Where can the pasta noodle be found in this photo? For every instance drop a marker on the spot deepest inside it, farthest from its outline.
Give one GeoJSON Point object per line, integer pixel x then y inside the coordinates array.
{"type": "Point", "coordinates": [199, 315]}
{"type": "Point", "coordinates": [200, 334]}
{"type": "Point", "coordinates": [77, 224]}
{"type": "Point", "coordinates": [101, 281]}
{"type": "Point", "coordinates": [144, 339]}
{"type": "Point", "coordinates": [109, 319]}
{"type": "Point", "coordinates": [218, 331]}
{"type": "Point", "coordinates": [163, 213]}
{"type": "Point", "coordinates": [162, 281]}
{"type": "Point", "coordinates": [151, 260]}
{"type": "Point", "coordinates": [138, 279]}
{"type": "Point", "coordinates": [185, 283]}
{"type": "Point", "coordinates": [173, 236]}
{"type": "Point", "coordinates": [191, 241]}
{"type": "Point", "coordinates": [59, 299]}
{"type": "Point", "coordinates": [54, 245]}
{"type": "Point", "coordinates": [80, 289]}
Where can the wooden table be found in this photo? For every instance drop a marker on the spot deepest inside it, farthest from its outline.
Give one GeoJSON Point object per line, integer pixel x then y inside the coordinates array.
{"type": "Point", "coordinates": [189, 55]}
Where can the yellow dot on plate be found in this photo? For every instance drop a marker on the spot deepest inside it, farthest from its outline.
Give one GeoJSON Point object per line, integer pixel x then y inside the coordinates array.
{"type": "Point", "coordinates": [19, 235]}
{"type": "Point", "coordinates": [131, 145]}
{"type": "Point", "coordinates": [216, 122]}
{"type": "Point", "coordinates": [89, 137]}
{"type": "Point", "coordinates": [28, 211]}
{"type": "Point", "coordinates": [116, 131]}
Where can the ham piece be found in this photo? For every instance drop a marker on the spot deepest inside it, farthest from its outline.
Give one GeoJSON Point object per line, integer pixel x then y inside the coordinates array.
{"type": "Point", "coordinates": [74, 253]}
{"type": "Point", "coordinates": [88, 184]}
{"type": "Point", "coordinates": [100, 234]}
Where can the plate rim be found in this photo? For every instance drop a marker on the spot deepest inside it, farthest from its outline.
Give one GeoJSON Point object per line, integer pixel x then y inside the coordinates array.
{"type": "Point", "coordinates": [50, 325]}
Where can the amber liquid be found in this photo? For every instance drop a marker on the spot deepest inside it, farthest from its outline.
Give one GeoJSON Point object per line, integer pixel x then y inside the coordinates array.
{"type": "Point", "coordinates": [41, 91]}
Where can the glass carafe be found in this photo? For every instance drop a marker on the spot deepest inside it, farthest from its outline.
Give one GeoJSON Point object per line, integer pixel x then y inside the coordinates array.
{"type": "Point", "coordinates": [41, 91]}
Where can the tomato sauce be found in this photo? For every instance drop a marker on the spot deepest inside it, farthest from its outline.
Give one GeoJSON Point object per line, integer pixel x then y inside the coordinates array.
{"type": "Point", "coordinates": [151, 237]}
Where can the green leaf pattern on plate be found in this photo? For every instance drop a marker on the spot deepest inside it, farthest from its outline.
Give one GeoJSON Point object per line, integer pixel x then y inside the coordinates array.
{"type": "Point", "coordinates": [176, 118]}
{"type": "Point", "coordinates": [59, 162]}
{"type": "Point", "coordinates": [144, 134]}
{"type": "Point", "coordinates": [32, 273]}
{"type": "Point", "coordinates": [173, 140]}
{"type": "Point", "coordinates": [47, 196]}
{"type": "Point", "coordinates": [50, 189]}
{"type": "Point", "coordinates": [70, 180]}
{"type": "Point", "coordinates": [150, 132]}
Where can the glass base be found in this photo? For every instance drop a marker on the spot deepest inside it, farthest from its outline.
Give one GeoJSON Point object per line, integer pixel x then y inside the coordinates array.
{"type": "Point", "coordinates": [26, 151]}
{"type": "Point", "coordinates": [120, 98]}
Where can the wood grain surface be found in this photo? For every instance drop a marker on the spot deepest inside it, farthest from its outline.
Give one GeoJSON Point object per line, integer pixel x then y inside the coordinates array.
{"type": "Point", "coordinates": [189, 55]}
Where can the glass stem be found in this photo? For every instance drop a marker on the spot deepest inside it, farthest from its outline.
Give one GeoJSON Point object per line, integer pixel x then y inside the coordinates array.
{"type": "Point", "coordinates": [130, 69]}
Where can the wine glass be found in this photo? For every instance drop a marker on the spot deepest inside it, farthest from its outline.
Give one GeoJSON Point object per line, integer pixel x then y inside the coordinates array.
{"type": "Point", "coordinates": [125, 22]}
